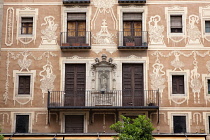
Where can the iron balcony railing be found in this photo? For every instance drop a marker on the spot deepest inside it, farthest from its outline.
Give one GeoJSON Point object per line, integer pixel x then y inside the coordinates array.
{"type": "Point", "coordinates": [97, 98]}
{"type": "Point", "coordinates": [135, 39]}
{"type": "Point", "coordinates": [75, 39]}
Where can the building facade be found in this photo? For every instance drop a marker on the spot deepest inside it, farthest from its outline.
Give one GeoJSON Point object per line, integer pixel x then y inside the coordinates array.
{"type": "Point", "coordinates": [70, 68]}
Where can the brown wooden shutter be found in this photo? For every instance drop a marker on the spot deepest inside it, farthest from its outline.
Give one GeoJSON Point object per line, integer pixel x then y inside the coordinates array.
{"type": "Point", "coordinates": [76, 16]}
{"type": "Point", "coordinates": [22, 123]}
{"type": "Point", "coordinates": [74, 124]}
{"type": "Point", "coordinates": [178, 84]}
{"type": "Point", "coordinates": [24, 85]}
{"type": "Point", "coordinates": [132, 16]}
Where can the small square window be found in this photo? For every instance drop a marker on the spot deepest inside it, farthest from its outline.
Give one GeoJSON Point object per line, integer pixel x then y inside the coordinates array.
{"type": "Point", "coordinates": [27, 25]}
{"type": "Point", "coordinates": [22, 124]}
{"type": "Point", "coordinates": [24, 85]}
{"type": "Point", "coordinates": [176, 24]}
{"type": "Point", "coordinates": [178, 84]}
{"type": "Point", "coordinates": [207, 26]}
{"type": "Point", "coordinates": [179, 123]}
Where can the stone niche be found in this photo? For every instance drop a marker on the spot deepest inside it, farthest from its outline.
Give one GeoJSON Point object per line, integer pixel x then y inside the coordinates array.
{"type": "Point", "coordinates": [103, 75]}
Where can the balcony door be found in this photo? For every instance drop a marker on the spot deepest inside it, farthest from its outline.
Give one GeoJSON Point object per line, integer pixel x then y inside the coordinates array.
{"type": "Point", "coordinates": [76, 28]}
{"type": "Point", "coordinates": [133, 86]}
{"type": "Point", "coordinates": [132, 28]}
{"type": "Point", "coordinates": [75, 84]}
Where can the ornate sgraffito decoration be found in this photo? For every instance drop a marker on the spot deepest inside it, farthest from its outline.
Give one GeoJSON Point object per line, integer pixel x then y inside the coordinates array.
{"type": "Point", "coordinates": [156, 31]}
{"type": "Point", "coordinates": [195, 83]}
{"type": "Point", "coordinates": [9, 26]}
{"type": "Point", "coordinates": [49, 33]}
{"type": "Point", "coordinates": [105, 7]}
{"type": "Point", "coordinates": [3, 118]}
{"type": "Point", "coordinates": [22, 58]}
{"type": "Point", "coordinates": [176, 63]}
{"type": "Point", "coordinates": [24, 63]}
{"type": "Point", "coordinates": [195, 78]}
{"type": "Point", "coordinates": [46, 116]}
{"type": "Point", "coordinates": [104, 37]}
{"type": "Point", "coordinates": [47, 81]}
{"type": "Point", "coordinates": [193, 33]}
{"type": "Point", "coordinates": [157, 77]}
{"type": "Point", "coordinates": [25, 12]}
{"type": "Point", "coordinates": [197, 118]}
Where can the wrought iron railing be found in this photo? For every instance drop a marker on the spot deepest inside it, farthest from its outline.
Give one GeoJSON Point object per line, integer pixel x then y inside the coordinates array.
{"type": "Point", "coordinates": [98, 98]}
{"type": "Point", "coordinates": [75, 38]}
{"type": "Point", "coordinates": [133, 39]}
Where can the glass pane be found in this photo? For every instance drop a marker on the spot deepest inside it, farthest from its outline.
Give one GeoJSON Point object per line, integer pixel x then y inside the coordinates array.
{"type": "Point", "coordinates": [137, 28]}
{"type": "Point", "coordinates": [208, 86]}
{"type": "Point", "coordinates": [71, 28]}
{"type": "Point", "coordinates": [127, 28]}
{"type": "Point", "coordinates": [81, 29]}
{"type": "Point", "coordinates": [207, 26]}
{"type": "Point", "coordinates": [176, 21]}
{"type": "Point", "coordinates": [30, 30]}
{"type": "Point", "coordinates": [23, 30]}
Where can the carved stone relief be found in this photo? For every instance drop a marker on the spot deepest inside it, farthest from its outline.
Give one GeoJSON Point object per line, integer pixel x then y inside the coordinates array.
{"type": "Point", "coordinates": [193, 33]}
{"type": "Point", "coordinates": [156, 31]}
{"type": "Point", "coordinates": [49, 33]}
{"type": "Point", "coordinates": [9, 26]}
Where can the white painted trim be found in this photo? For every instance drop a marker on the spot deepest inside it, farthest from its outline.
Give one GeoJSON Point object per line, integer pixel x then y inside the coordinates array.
{"type": "Point", "coordinates": [86, 119]}
{"type": "Point", "coordinates": [185, 109]}
{"type": "Point", "coordinates": [13, 120]}
{"type": "Point", "coordinates": [173, 97]}
{"type": "Point", "coordinates": [206, 121]}
{"type": "Point", "coordinates": [30, 49]}
{"type": "Point", "coordinates": [24, 109]}
{"type": "Point", "coordinates": [32, 3]}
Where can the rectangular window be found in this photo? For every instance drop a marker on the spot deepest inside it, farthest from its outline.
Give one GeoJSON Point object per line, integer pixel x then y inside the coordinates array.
{"type": "Point", "coordinates": [178, 84]}
{"type": "Point", "coordinates": [176, 24]}
{"type": "Point", "coordinates": [132, 28]}
{"type": "Point", "coordinates": [24, 85]}
{"type": "Point", "coordinates": [74, 123]}
{"type": "Point", "coordinates": [76, 28]}
{"type": "Point", "coordinates": [179, 123]}
{"type": "Point", "coordinates": [207, 26]}
{"type": "Point", "coordinates": [22, 124]}
{"type": "Point", "coordinates": [209, 86]}
{"type": "Point", "coordinates": [27, 25]}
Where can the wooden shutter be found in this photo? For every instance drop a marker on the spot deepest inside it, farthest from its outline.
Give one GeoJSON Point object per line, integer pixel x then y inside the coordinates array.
{"type": "Point", "coordinates": [76, 16]}
{"type": "Point", "coordinates": [133, 87]}
{"type": "Point", "coordinates": [178, 84]}
{"type": "Point", "coordinates": [179, 124]}
{"type": "Point", "coordinates": [22, 123]}
{"type": "Point", "coordinates": [74, 124]}
{"type": "Point", "coordinates": [24, 85]}
{"type": "Point", "coordinates": [132, 16]}
{"type": "Point", "coordinates": [75, 75]}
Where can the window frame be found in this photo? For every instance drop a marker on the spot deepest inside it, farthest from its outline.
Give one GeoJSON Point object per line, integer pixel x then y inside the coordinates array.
{"type": "Point", "coordinates": [24, 86]}
{"type": "Point", "coordinates": [183, 24]}
{"type": "Point", "coordinates": [31, 117]}
{"type": "Point", "coordinates": [173, 76]}
{"type": "Point", "coordinates": [27, 27]}
{"type": "Point", "coordinates": [16, 75]}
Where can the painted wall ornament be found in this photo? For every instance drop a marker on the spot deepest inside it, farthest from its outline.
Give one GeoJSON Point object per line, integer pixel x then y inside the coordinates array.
{"type": "Point", "coordinates": [193, 33]}
{"type": "Point", "coordinates": [24, 63]}
{"type": "Point", "coordinates": [9, 26]}
{"type": "Point", "coordinates": [155, 30]}
{"type": "Point", "coordinates": [47, 80]}
{"type": "Point", "coordinates": [104, 37]}
{"type": "Point", "coordinates": [105, 7]}
{"type": "Point", "coordinates": [157, 77]}
{"type": "Point", "coordinates": [49, 33]}
{"type": "Point", "coordinates": [176, 63]}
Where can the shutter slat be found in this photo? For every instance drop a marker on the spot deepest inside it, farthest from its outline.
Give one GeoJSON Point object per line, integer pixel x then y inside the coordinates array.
{"type": "Point", "coordinates": [132, 16]}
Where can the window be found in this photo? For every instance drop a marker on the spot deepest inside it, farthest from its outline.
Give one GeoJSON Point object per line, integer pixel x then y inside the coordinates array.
{"type": "Point", "coordinates": [176, 23]}
{"type": "Point", "coordinates": [24, 85]}
{"type": "Point", "coordinates": [179, 123]}
{"type": "Point", "coordinates": [207, 26]}
{"type": "Point", "coordinates": [132, 28]}
{"type": "Point", "coordinates": [209, 86]}
{"type": "Point", "coordinates": [22, 124]}
{"type": "Point", "coordinates": [178, 84]}
{"type": "Point", "coordinates": [74, 123]}
{"type": "Point", "coordinates": [27, 25]}
{"type": "Point", "coordinates": [76, 28]}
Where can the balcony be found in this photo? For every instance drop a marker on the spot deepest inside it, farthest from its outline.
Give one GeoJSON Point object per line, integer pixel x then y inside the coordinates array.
{"type": "Point", "coordinates": [116, 99]}
{"type": "Point", "coordinates": [75, 1]}
{"type": "Point", "coordinates": [135, 40]}
{"type": "Point", "coordinates": [75, 40]}
{"type": "Point", "coordinates": [131, 1]}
